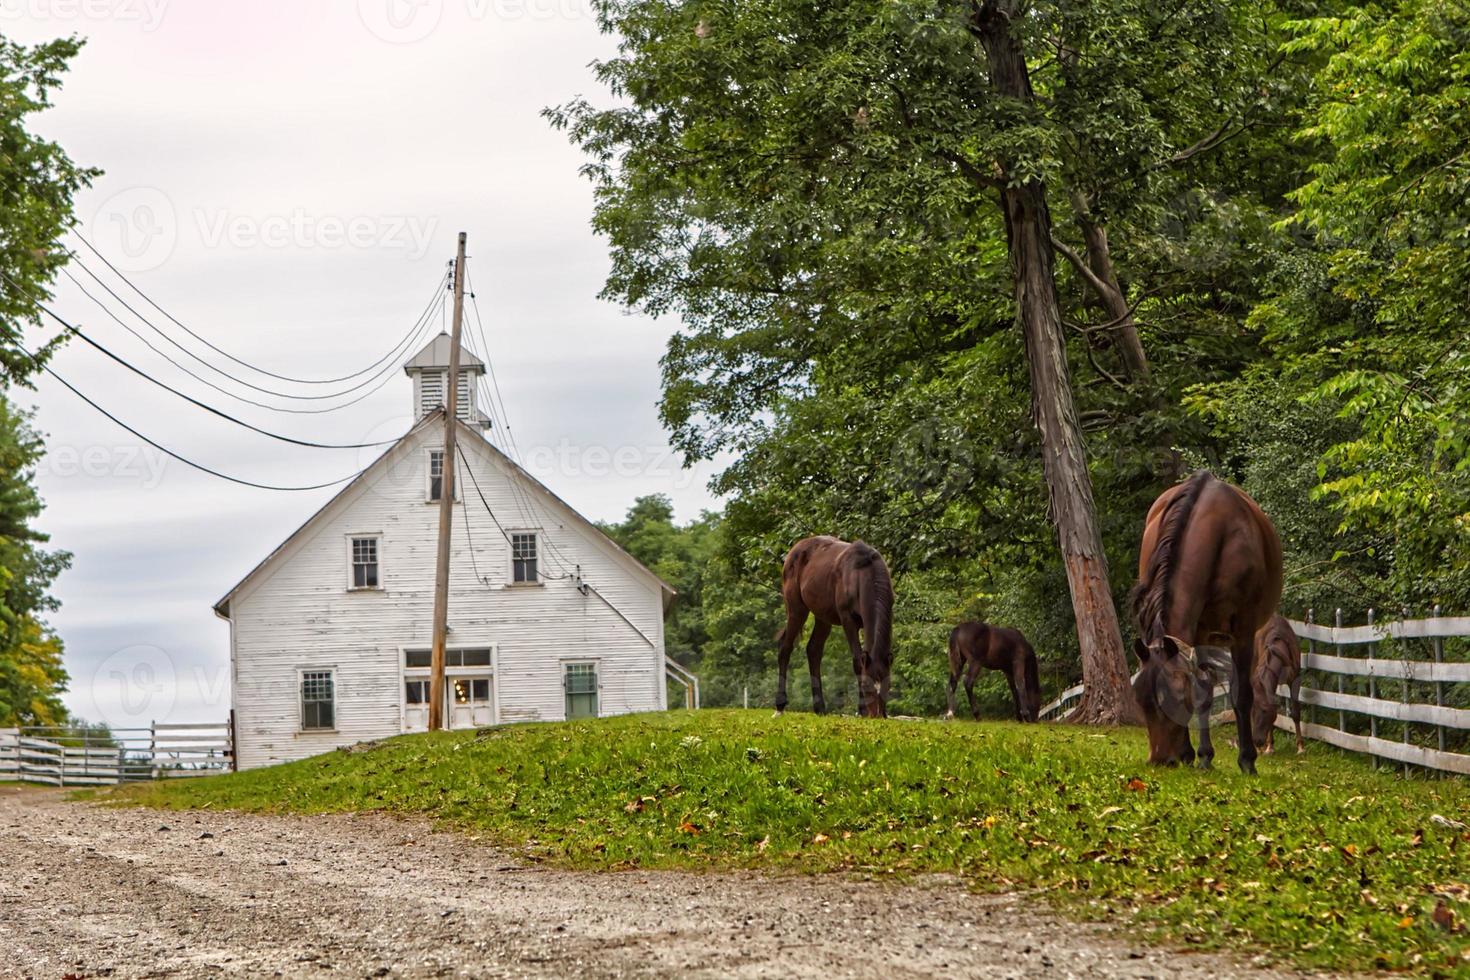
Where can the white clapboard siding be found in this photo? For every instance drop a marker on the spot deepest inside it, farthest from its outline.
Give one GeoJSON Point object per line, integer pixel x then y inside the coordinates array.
{"type": "Point", "coordinates": [296, 612]}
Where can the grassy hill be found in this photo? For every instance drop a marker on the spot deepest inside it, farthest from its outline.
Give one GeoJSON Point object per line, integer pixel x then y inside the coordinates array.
{"type": "Point", "coordinates": [1319, 858]}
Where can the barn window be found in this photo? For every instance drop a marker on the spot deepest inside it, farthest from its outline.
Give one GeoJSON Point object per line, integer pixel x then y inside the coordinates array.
{"type": "Point", "coordinates": [416, 692]}
{"type": "Point", "coordinates": [523, 557]}
{"type": "Point", "coordinates": [364, 563]}
{"type": "Point", "coordinates": [581, 687]}
{"type": "Point", "coordinates": [436, 474]}
{"type": "Point", "coordinates": [318, 700]}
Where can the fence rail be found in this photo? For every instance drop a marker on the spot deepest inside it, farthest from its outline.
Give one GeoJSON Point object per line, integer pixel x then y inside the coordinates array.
{"type": "Point", "coordinates": [64, 756]}
{"type": "Point", "coordinates": [1431, 733]}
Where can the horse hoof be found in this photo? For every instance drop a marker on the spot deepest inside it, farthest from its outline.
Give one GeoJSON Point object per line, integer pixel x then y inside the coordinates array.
{"type": "Point", "coordinates": [778, 713]}
{"type": "Point", "coordinates": [1203, 764]}
{"type": "Point", "coordinates": [1301, 750]}
{"type": "Point", "coordinates": [1248, 766]}
{"type": "Point", "coordinates": [949, 716]}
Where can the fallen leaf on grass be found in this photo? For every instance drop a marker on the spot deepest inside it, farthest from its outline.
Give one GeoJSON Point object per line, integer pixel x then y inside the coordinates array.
{"type": "Point", "coordinates": [1444, 917]}
{"type": "Point", "coordinates": [820, 839]}
{"type": "Point", "coordinates": [1406, 921]}
{"type": "Point", "coordinates": [763, 843]}
{"type": "Point", "coordinates": [689, 828]}
{"type": "Point", "coordinates": [1137, 785]}
{"type": "Point", "coordinates": [1109, 810]}
{"type": "Point", "coordinates": [1442, 821]}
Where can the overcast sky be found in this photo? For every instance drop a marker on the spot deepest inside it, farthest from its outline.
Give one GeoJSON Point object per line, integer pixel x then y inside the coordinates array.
{"type": "Point", "coordinates": [288, 178]}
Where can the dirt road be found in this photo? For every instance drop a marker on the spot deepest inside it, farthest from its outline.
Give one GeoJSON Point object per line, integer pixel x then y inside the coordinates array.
{"type": "Point", "coordinates": [92, 892]}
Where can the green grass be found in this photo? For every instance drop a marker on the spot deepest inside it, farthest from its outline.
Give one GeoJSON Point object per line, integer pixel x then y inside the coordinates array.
{"type": "Point", "coordinates": [1319, 859]}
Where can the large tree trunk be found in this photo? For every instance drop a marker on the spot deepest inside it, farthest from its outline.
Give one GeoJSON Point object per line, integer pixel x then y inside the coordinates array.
{"type": "Point", "coordinates": [1104, 281]}
{"type": "Point", "coordinates": [1108, 699]}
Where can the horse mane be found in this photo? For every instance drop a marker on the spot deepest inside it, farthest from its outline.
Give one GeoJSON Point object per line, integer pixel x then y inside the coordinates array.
{"type": "Point", "coordinates": [1150, 597]}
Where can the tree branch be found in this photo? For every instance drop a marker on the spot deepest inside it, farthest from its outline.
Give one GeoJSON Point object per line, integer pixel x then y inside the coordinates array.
{"type": "Point", "coordinates": [1080, 264]}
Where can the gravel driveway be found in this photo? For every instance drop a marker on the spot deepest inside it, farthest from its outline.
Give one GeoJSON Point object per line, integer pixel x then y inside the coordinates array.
{"type": "Point", "coordinates": [93, 892]}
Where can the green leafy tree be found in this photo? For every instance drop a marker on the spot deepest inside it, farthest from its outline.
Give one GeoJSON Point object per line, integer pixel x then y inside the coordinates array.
{"type": "Point", "coordinates": [38, 182]}
{"type": "Point", "coordinates": [1366, 317]}
{"type": "Point", "coordinates": [850, 210]}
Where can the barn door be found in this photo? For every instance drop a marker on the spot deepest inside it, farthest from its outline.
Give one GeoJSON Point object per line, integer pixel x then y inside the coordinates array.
{"type": "Point", "coordinates": [470, 704]}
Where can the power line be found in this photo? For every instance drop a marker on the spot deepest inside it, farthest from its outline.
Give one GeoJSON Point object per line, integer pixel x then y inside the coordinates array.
{"type": "Point", "coordinates": [210, 408]}
{"type": "Point", "coordinates": [279, 377]}
{"type": "Point", "coordinates": [169, 452]}
{"type": "Point", "coordinates": [527, 501]}
{"type": "Point", "coordinates": [218, 370]}
{"type": "Point", "coordinates": [491, 511]}
{"type": "Point", "coordinates": [384, 376]}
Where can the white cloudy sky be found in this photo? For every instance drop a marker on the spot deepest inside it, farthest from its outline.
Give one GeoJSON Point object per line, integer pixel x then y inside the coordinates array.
{"type": "Point", "coordinates": [238, 141]}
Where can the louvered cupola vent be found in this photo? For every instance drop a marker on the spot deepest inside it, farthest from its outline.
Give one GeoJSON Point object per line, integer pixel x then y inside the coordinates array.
{"type": "Point", "coordinates": [429, 370]}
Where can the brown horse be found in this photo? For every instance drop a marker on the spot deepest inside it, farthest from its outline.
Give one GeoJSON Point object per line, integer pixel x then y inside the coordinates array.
{"type": "Point", "coordinates": [976, 645]}
{"type": "Point", "coordinates": [843, 585]}
{"type": "Point", "coordinates": [1278, 661]}
{"type": "Point", "coordinates": [1209, 573]}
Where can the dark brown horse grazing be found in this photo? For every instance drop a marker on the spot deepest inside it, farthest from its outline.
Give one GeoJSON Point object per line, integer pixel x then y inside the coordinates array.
{"type": "Point", "coordinates": [976, 645]}
{"type": "Point", "coordinates": [843, 585]}
{"type": "Point", "coordinates": [1209, 573]}
{"type": "Point", "coordinates": [1278, 661]}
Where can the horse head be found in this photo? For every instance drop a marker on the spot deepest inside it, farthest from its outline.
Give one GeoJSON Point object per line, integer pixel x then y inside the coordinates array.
{"type": "Point", "coordinates": [1175, 680]}
{"type": "Point", "coordinates": [1028, 686]}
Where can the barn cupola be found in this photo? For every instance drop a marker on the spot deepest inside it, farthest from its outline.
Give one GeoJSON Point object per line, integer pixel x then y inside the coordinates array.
{"type": "Point", "coordinates": [429, 369]}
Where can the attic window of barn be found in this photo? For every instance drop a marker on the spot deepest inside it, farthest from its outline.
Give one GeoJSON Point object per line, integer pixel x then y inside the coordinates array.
{"type": "Point", "coordinates": [364, 563]}
{"type": "Point", "coordinates": [436, 474]}
{"type": "Point", "coordinates": [523, 557]}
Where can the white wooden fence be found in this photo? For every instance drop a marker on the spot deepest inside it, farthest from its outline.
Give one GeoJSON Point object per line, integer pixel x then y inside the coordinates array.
{"type": "Point", "coordinates": [1405, 657]}
{"type": "Point", "coordinates": [64, 756]}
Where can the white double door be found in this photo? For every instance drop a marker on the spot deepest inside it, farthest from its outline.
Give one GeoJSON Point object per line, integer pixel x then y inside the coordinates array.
{"type": "Point", "coordinates": [469, 701]}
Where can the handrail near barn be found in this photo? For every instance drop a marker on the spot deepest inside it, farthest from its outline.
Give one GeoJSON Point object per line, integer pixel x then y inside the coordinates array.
{"type": "Point", "coordinates": [73, 756]}
{"type": "Point", "coordinates": [1407, 699]}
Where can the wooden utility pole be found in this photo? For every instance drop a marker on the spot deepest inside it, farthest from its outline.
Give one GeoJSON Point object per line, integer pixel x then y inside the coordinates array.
{"type": "Point", "coordinates": [446, 503]}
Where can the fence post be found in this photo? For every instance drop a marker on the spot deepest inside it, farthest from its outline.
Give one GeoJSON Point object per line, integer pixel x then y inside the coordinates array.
{"type": "Point", "coordinates": [1372, 689]}
{"type": "Point", "coordinates": [1404, 692]}
{"type": "Point", "coordinates": [1337, 650]}
{"type": "Point", "coordinates": [1439, 685]}
{"type": "Point", "coordinates": [1311, 651]}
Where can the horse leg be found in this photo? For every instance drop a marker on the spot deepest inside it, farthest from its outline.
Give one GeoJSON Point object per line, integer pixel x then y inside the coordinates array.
{"type": "Point", "coordinates": [956, 666]}
{"type": "Point", "coordinates": [1204, 700]}
{"type": "Point", "coordinates": [867, 696]}
{"type": "Point", "coordinates": [795, 620]}
{"type": "Point", "coordinates": [954, 680]}
{"type": "Point", "coordinates": [972, 674]}
{"type": "Point", "coordinates": [814, 648]}
{"type": "Point", "coordinates": [1015, 695]}
{"type": "Point", "coordinates": [1296, 712]}
{"type": "Point", "coordinates": [1245, 700]}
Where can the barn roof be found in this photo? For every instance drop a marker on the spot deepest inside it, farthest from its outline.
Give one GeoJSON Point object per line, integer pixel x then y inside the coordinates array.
{"type": "Point", "coordinates": [478, 440]}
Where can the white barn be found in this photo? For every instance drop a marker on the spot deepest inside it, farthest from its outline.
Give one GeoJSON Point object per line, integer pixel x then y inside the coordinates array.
{"type": "Point", "coordinates": [548, 617]}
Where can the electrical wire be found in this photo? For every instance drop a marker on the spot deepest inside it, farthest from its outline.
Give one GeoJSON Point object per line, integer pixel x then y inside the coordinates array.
{"type": "Point", "coordinates": [210, 408]}
{"type": "Point", "coordinates": [218, 370]}
{"type": "Point", "coordinates": [419, 329]}
{"type": "Point", "coordinates": [218, 350]}
{"type": "Point", "coordinates": [169, 452]}
{"type": "Point", "coordinates": [491, 511]}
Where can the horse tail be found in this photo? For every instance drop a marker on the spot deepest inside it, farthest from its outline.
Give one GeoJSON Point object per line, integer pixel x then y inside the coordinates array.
{"type": "Point", "coordinates": [1149, 599]}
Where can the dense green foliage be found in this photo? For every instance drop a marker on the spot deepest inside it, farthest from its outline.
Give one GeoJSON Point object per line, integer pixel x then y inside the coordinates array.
{"type": "Point", "coordinates": [31, 675]}
{"type": "Point", "coordinates": [37, 185]}
{"type": "Point", "coordinates": [1277, 191]}
{"type": "Point", "coordinates": [1301, 862]}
